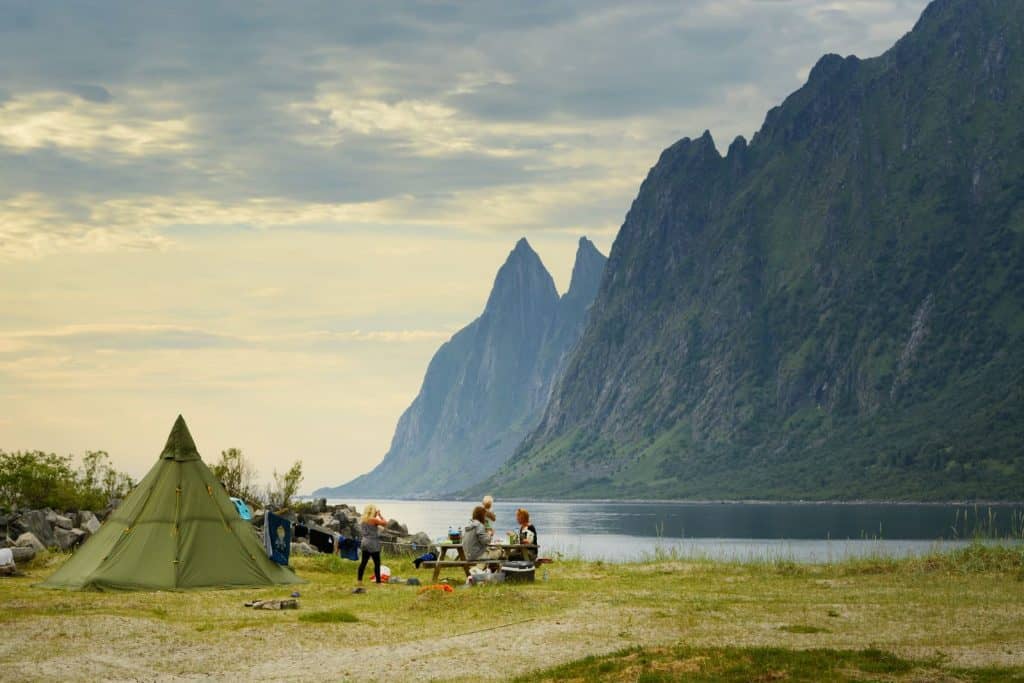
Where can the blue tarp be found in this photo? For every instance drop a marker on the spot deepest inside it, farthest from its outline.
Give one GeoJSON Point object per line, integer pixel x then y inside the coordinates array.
{"type": "Point", "coordinates": [277, 537]}
{"type": "Point", "coordinates": [348, 548]}
{"type": "Point", "coordinates": [243, 509]}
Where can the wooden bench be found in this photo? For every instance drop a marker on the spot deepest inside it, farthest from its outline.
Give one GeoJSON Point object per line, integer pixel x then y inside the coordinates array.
{"type": "Point", "coordinates": [438, 565]}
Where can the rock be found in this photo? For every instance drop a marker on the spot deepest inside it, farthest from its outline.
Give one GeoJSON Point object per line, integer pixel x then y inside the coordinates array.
{"type": "Point", "coordinates": [421, 540]}
{"type": "Point", "coordinates": [68, 538]}
{"type": "Point", "coordinates": [62, 522]}
{"type": "Point", "coordinates": [83, 517]}
{"type": "Point", "coordinates": [22, 555]}
{"type": "Point", "coordinates": [30, 540]}
{"type": "Point", "coordinates": [304, 549]}
{"type": "Point", "coordinates": [35, 523]}
{"type": "Point", "coordinates": [15, 527]}
{"type": "Point", "coordinates": [91, 525]}
{"type": "Point", "coordinates": [111, 506]}
{"type": "Point", "coordinates": [398, 527]}
{"type": "Point", "coordinates": [320, 505]}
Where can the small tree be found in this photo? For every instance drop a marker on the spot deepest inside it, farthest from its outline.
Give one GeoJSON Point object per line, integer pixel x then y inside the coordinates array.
{"type": "Point", "coordinates": [98, 482]}
{"type": "Point", "coordinates": [238, 475]}
{"type": "Point", "coordinates": [34, 479]}
{"type": "Point", "coordinates": [285, 486]}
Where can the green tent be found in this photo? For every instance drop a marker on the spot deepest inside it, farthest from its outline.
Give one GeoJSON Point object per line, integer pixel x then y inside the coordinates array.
{"type": "Point", "coordinates": [176, 530]}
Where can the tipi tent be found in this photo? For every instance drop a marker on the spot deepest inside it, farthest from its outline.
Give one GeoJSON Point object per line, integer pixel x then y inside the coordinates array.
{"type": "Point", "coordinates": [176, 530]}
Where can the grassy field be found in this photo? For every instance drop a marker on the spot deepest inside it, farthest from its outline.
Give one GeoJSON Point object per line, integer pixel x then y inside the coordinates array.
{"type": "Point", "coordinates": [955, 617]}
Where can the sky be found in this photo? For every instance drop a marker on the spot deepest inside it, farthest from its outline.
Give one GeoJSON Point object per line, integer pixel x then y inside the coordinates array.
{"type": "Point", "coordinates": [267, 216]}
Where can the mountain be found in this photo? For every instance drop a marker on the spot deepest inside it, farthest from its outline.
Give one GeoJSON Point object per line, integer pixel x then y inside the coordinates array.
{"type": "Point", "coordinates": [832, 311]}
{"type": "Point", "coordinates": [486, 387]}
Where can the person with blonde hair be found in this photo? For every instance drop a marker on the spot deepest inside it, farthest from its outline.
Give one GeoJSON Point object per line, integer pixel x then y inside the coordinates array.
{"type": "Point", "coordinates": [489, 515]}
{"type": "Point", "coordinates": [369, 528]}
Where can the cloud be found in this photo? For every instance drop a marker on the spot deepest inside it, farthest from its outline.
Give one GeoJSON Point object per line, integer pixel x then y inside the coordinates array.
{"type": "Point", "coordinates": [91, 93]}
{"type": "Point", "coordinates": [85, 124]}
{"type": "Point", "coordinates": [150, 336]}
{"type": "Point", "coordinates": [416, 107]}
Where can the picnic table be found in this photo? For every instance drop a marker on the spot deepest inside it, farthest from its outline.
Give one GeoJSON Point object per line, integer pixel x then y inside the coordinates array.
{"type": "Point", "coordinates": [442, 551]}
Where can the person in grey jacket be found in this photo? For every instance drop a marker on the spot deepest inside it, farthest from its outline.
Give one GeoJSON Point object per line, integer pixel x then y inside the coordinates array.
{"type": "Point", "coordinates": [369, 528]}
{"type": "Point", "coordinates": [475, 537]}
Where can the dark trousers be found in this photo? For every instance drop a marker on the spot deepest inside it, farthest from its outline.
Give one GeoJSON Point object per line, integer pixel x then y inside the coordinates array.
{"type": "Point", "coordinates": [376, 565]}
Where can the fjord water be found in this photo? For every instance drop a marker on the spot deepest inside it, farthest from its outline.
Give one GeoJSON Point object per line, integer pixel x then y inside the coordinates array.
{"type": "Point", "coordinates": [802, 532]}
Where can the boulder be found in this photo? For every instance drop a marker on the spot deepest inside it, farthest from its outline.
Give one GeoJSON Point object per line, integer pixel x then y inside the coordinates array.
{"type": "Point", "coordinates": [320, 505]}
{"type": "Point", "coordinates": [91, 525]}
{"type": "Point", "coordinates": [346, 513]}
{"type": "Point", "coordinates": [62, 522]}
{"type": "Point", "coordinates": [15, 527]}
{"type": "Point", "coordinates": [397, 527]}
{"type": "Point", "coordinates": [304, 549]}
{"type": "Point", "coordinates": [30, 540]}
{"type": "Point", "coordinates": [112, 505]}
{"type": "Point", "coordinates": [22, 555]}
{"type": "Point", "coordinates": [68, 538]}
{"type": "Point", "coordinates": [420, 540]}
{"type": "Point", "coordinates": [35, 523]}
{"type": "Point", "coordinates": [83, 517]}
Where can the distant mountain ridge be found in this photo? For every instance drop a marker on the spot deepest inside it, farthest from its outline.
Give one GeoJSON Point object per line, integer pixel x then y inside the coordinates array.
{"type": "Point", "coordinates": [832, 311]}
{"type": "Point", "coordinates": [485, 389]}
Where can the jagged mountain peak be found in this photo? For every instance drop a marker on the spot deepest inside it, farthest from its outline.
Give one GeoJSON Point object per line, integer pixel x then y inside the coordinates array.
{"type": "Point", "coordinates": [586, 271]}
{"type": "Point", "coordinates": [522, 280]}
{"type": "Point", "coordinates": [486, 387]}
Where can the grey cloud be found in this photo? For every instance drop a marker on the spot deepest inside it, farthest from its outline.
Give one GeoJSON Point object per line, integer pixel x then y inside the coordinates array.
{"type": "Point", "coordinates": [91, 93]}
{"type": "Point", "coordinates": [236, 70]}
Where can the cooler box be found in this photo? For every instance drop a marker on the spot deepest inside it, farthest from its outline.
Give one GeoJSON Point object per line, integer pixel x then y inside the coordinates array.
{"type": "Point", "coordinates": [518, 571]}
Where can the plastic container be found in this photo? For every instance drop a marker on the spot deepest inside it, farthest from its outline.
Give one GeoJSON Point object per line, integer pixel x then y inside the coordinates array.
{"type": "Point", "coordinates": [519, 571]}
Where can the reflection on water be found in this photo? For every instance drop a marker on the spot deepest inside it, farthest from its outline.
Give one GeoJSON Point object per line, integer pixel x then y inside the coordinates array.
{"type": "Point", "coordinates": [807, 532]}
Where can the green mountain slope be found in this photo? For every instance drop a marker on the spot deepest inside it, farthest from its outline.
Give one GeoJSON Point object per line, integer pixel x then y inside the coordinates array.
{"type": "Point", "coordinates": [835, 310]}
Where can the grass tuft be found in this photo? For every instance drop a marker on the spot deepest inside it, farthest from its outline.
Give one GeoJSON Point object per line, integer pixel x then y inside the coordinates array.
{"type": "Point", "coordinates": [333, 616]}
{"type": "Point", "coordinates": [736, 664]}
{"type": "Point", "coordinates": [803, 628]}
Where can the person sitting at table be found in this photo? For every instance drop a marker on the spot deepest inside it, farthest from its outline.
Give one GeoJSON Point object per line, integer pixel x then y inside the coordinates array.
{"type": "Point", "coordinates": [527, 534]}
{"type": "Point", "coordinates": [475, 537]}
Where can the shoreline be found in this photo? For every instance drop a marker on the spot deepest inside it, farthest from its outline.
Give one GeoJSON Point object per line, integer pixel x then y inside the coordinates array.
{"type": "Point", "coordinates": [683, 501]}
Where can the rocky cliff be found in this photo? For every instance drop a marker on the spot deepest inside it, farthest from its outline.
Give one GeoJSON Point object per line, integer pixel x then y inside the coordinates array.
{"type": "Point", "coordinates": [486, 387]}
{"type": "Point", "coordinates": [834, 310]}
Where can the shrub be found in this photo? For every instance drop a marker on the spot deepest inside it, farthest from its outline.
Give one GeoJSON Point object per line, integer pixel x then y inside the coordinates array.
{"type": "Point", "coordinates": [34, 479]}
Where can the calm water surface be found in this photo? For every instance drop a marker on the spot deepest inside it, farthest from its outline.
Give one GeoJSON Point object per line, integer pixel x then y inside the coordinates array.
{"type": "Point", "coordinates": [804, 532]}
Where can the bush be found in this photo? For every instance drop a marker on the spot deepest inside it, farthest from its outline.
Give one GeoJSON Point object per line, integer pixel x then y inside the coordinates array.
{"type": "Point", "coordinates": [285, 486]}
{"type": "Point", "coordinates": [34, 479]}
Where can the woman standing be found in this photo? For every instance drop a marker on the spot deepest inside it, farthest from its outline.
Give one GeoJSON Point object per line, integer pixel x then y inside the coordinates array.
{"type": "Point", "coordinates": [369, 528]}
